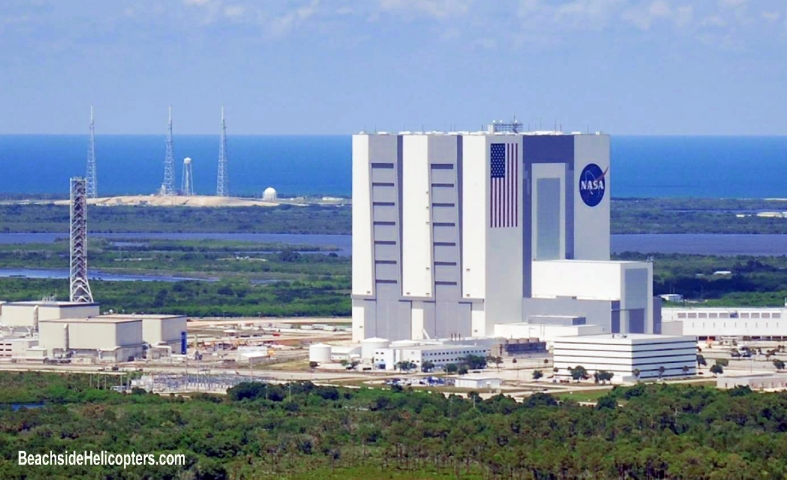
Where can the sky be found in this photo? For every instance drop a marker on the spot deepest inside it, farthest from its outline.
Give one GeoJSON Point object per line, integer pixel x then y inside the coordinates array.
{"type": "Point", "coordinates": [629, 67]}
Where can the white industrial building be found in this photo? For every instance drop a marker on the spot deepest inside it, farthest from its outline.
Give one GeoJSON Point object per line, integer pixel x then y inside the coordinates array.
{"type": "Point", "coordinates": [456, 233]}
{"type": "Point", "coordinates": [114, 338]}
{"type": "Point", "coordinates": [28, 314]}
{"type": "Point", "coordinates": [478, 382]}
{"type": "Point", "coordinates": [739, 322]}
{"type": "Point", "coordinates": [769, 382]}
{"type": "Point", "coordinates": [622, 354]}
{"type": "Point", "coordinates": [110, 339]}
{"type": "Point", "coordinates": [440, 355]}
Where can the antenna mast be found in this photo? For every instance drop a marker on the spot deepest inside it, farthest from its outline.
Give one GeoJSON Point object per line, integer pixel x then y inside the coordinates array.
{"type": "Point", "coordinates": [168, 187]}
{"type": "Point", "coordinates": [223, 180]}
{"type": "Point", "coordinates": [92, 182]}
{"type": "Point", "coordinates": [79, 287]}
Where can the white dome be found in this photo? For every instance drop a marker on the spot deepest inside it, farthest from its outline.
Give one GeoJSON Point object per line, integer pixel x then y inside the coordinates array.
{"type": "Point", "coordinates": [187, 160]}
{"type": "Point", "coordinates": [269, 194]}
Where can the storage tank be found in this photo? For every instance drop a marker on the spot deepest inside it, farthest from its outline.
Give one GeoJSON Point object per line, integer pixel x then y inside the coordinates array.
{"type": "Point", "coordinates": [269, 195]}
{"type": "Point", "coordinates": [369, 345]}
{"type": "Point", "coordinates": [320, 353]}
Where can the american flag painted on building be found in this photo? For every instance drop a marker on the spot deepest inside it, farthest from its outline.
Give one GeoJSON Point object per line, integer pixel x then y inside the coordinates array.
{"type": "Point", "coordinates": [504, 185]}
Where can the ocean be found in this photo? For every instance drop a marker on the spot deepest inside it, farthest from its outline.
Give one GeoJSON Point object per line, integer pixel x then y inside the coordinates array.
{"type": "Point", "coordinates": [642, 166]}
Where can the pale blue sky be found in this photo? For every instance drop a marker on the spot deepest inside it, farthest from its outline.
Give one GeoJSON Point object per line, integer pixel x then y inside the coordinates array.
{"type": "Point", "coordinates": [339, 66]}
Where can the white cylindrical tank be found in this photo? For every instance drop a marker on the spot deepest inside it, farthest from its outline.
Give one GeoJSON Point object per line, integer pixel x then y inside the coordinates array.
{"type": "Point", "coordinates": [269, 195]}
{"type": "Point", "coordinates": [369, 345]}
{"type": "Point", "coordinates": [320, 353]}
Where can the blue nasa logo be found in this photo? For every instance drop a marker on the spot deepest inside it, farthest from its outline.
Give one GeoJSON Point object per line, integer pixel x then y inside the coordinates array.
{"type": "Point", "coordinates": [592, 184]}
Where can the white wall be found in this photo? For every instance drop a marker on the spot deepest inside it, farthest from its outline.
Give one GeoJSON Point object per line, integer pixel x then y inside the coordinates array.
{"type": "Point", "coordinates": [475, 208]}
{"type": "Point", "coordinates": [416, 226]}
{"type": "Point", "coordinates": [362, 248]}
{"type": "Point", "coordinates": [575, 278]}
{"type": "Point", "coordinates": [591, 224]}
{"type": "Point", "coordinates": [358, 319]}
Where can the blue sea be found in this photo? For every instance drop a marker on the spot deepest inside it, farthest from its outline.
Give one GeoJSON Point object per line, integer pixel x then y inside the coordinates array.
{"type": "Point", "coordinates": [642, 166]}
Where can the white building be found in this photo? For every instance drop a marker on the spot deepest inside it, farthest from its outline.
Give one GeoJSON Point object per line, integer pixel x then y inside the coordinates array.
{"type": "Point", "coordinates": [160, 330]}
{"type": "Point", "coordinates": [712, 323]}
{"type": "Point", "coordinates": [455, 233]}
{"type": "Point", "coordinates": [28, 314]}
{"type": "Point", "coordinates": [108, 337]}
{"type": "Point", "coordinates": [478, 382]}
{"type": "Point", "coordinates": [621, 354]}
{"type": "Point", "coordinates": [755, 382]}
{"type": "Point", "coordinates": [440, 355]}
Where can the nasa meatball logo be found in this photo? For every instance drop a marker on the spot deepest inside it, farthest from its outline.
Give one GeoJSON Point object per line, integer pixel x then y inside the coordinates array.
{"type": "Point", "coordinates": [592, 184]}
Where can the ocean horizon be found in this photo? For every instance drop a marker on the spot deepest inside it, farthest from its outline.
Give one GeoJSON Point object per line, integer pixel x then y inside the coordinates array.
{"type": "Point", "coordinates": [642, 166]}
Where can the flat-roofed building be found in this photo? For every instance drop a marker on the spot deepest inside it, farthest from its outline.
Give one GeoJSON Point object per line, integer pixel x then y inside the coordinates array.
{"type": "Point", "coordinates": [27, 314]}
{"type": "Point", "coordinates": [440, 355]}
{"type": "Point", "coordinates": [710, 323]}
{"type": "Point", "coordinates": [159, 330]}
{"type": "Point", "coordinates": [654, 356]}
{"type": "Point", "coordinates": [108, 337]}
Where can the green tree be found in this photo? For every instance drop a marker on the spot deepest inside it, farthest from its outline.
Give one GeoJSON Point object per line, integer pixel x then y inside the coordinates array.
{"type": "Point", "coordinates": [475, 362]}
{"type": "Point", "coordinates": [636, 373]}
{"type": "Point", "coordinates": [451, 368]}
{"type": "Point", "coordinates": [537, 374]}
{"type": "Point", "coordinates": [313, 365]}
{"type": "Point", "coordinates": [661, 371]}
{"type": "Point", "coordinates": [716, 369]}
{"type": "Point", "coordinates": [427, 366]}
{"type": "Point", "coordinates": [579, 373]}
{"type": "Point", "coordinates": [605, 376]}
{"type": "Point", "coordinates": [462, 370]}
{"type": "Point", "coordinates": [701, 361]}
{"type": "Point", "coordinates": [722, 362]}
{"type": "Point", "coordinates": [779, 364]}
{"type": "Point", "coordinates": [607, 402]}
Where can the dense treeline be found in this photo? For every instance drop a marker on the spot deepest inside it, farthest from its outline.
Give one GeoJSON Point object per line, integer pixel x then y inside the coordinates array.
{"type": "Point", "coordinates": [642, 215]}
{"type": "Point", "coordinates": [695, 215]}
{"type": "Point", "coordinates": [313, 298]}
{"type": "Point", "coordinates": [252, 279]}
{"type": "Point", "coordinates": [204, 258]}
{"type": "Point", "coordinates": [126, 219]}
{"type": "Point", "coordinates": [305, 431]}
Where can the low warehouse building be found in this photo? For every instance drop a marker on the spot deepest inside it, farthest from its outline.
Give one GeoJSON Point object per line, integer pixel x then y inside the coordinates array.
{"type": "Point", "coordinates": [478, 382]}
{"type": "Point", "coordinates": [653, 356]}
{"type": "Point", "coordinates": [109, 338]}
{"type": "Point", "coordinates": [714, 323]}
{"type": "Point", "coordinates": [755, 382]}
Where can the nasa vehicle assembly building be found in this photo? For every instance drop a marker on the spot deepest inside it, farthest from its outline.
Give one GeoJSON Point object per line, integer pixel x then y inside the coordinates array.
{"type": "Point", "coordinates": [456, 233]}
